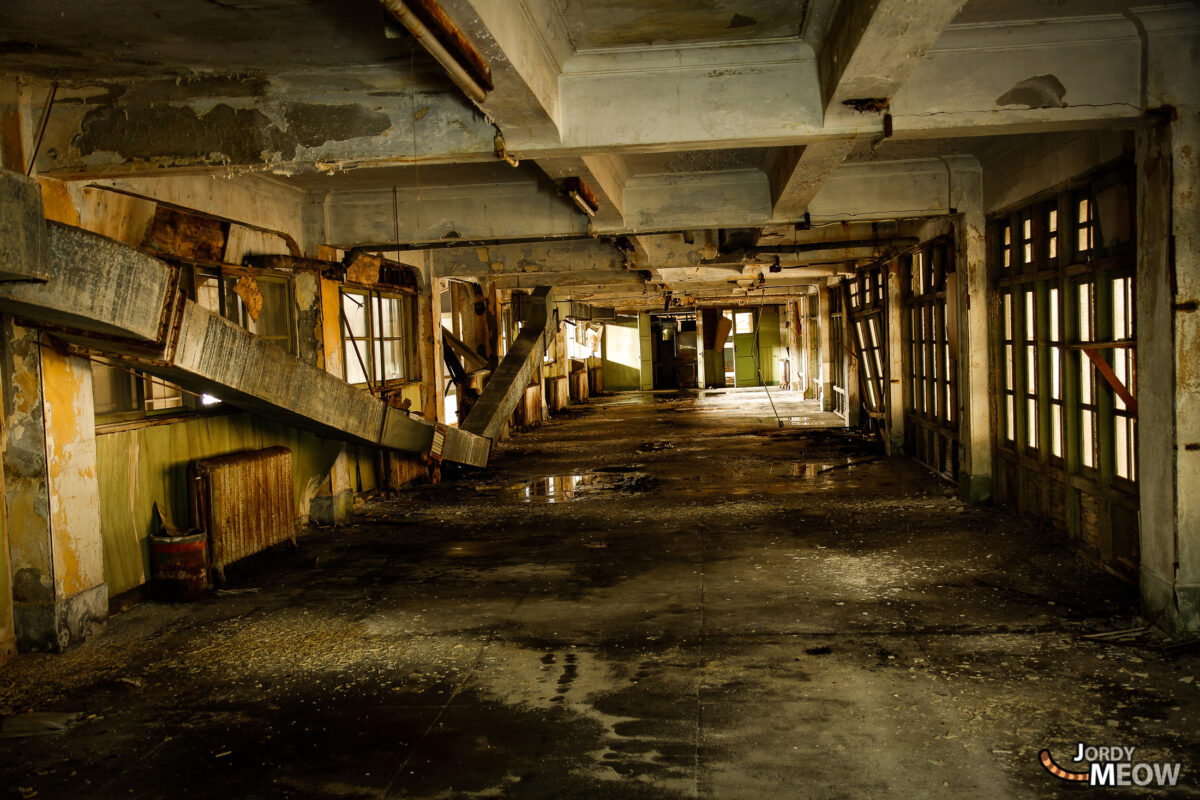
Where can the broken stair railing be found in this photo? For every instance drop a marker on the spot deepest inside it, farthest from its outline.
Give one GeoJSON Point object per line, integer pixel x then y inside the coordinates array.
{"type": "Point", "coordinates": [105, 298]}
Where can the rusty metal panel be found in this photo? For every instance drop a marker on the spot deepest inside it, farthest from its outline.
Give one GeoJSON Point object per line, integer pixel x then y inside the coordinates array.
{"type": "Point", "coordinates": [245, 502]}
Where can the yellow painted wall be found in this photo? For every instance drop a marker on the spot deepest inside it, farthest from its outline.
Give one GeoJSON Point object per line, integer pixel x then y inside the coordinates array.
{"type": "Point", "coordinates": [7, 634]}
{"type": "Point", "coordinates": [71, 473]}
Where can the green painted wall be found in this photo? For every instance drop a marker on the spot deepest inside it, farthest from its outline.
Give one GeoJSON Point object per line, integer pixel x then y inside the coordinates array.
{"type": "Point", "coordinates": [138, 467]}
{"type": "Point", "coordinates": [770, 346]}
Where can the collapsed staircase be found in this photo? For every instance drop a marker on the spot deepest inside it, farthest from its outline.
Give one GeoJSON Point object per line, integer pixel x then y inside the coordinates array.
{"type": "Point", "coordinates": [102, 297]}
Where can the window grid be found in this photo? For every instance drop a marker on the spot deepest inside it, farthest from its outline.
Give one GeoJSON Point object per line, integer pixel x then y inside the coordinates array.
{"type": "Point", "coordinates": [378, 336]}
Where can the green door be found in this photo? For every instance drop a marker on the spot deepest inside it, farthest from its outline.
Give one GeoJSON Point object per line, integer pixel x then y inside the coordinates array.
{"type": "Point", "coordinates": [744, 348]}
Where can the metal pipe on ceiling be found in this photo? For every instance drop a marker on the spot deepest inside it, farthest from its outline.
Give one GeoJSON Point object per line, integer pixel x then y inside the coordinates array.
{"type": "Point", "coordinates": [459, 74]}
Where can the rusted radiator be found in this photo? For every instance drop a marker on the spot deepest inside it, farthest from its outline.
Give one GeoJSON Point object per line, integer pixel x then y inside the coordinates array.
{"type": "Point", "coordinates": [244, 502]}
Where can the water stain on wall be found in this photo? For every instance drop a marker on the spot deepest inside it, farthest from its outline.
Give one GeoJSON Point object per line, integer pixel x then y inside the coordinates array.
{"type": "Point", "coordinates": [149, 132]}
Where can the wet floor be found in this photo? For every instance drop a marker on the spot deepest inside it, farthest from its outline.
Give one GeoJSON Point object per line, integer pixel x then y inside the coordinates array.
{"type": "Point", "coordinates": [653, 597]}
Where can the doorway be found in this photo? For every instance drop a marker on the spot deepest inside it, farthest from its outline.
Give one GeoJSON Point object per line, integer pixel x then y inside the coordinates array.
{"type": "Point", "coordinates": [673, 338]}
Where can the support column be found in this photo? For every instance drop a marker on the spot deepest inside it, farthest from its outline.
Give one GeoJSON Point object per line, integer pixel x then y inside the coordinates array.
{"type": "Point", "coordinates": [974, 361]}
{"type": "Point", "coordinates": [853, 409]}
{"type": "Point", "coordinates": [825, 355]}
{"type": "Point", "coordinates": [8, 634]}
{"type": "Point", "coordinates": [334, 502]}
{"type": "Point", "coordinates": [429, 304]}
{"type": "Point", "coordinates": [1168, 322]}
{"type": "Point", "coordinates": [795, 352]}
{"type": "Point", "coordinates": [51, 496]}
{"type": "Point", "coordinates": [896, 335]}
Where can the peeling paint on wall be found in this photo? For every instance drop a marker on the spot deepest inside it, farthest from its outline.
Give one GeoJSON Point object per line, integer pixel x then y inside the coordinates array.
{"type": "Point", "coordinates": [1040, 91]}
{"type": "Point", "coordinates": [222, 133]}
{"type": "Point", "coordinates": [71, 473]}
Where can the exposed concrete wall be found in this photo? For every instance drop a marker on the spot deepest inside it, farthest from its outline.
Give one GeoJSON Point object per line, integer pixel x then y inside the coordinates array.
{"type": "Point", "coordinates": [1168, 323]}
{"type": "Point", "coordinates": [825, 354]}
{"type": "Point", "coordinates": [1027, 166]}
{"type": "Point", "coordinates": [974, 353]}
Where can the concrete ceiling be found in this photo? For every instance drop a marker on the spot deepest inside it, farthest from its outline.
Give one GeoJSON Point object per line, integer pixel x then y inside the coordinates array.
{"type": "Point", "coordinates": [101, 38]}
{"type": "Point", "coordinates": [699, 116]}
{"type": "Point", "coordinates": [603, 24]}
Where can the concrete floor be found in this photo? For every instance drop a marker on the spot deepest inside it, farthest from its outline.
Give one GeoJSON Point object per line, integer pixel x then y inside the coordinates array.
{"type": "Point", "coordinates": [718, 608]}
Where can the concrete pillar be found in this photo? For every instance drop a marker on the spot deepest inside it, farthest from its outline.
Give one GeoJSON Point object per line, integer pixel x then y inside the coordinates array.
{"type": "Point", "coordinates": [334, 501]}
{"type": "Point", "coordinates": [974, 355]}
{"type": "Point", "coordinates": [51, 496]}
{"type": "Point", "coordinates": [646, 363]}
{"type": "Point", "coordinates": [1168, 322]}
{"type": "Point", "coordinates": [853, 410]}
{"type": "Point", "coordinates": [431, 335]}
{"type": "Point", "coordinates": [794, 349]}
{"type": "Point", "coordinates": [896, 335]}
{"type": "Point", "coordinates": [825, 355]}
{"type": "Point", "coordinates": [8, 634]}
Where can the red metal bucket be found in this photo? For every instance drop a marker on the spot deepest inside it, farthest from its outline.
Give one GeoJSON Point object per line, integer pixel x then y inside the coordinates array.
{"type": "Point", "coordinates": [179, 567]}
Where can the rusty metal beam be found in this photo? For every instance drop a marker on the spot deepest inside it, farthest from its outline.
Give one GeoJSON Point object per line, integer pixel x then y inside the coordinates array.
{"type": "Point", "coordinates": [1106, 370]}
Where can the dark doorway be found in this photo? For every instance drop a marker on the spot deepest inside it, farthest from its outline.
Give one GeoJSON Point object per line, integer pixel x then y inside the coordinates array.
{"type": "Point", "coordinates": [674, 350]}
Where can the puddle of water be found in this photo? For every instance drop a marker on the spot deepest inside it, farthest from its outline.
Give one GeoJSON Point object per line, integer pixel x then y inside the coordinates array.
{"type": "Point", "coordinates": [807, 470]}
{"type": "Point", "coordinates": [561, 488]}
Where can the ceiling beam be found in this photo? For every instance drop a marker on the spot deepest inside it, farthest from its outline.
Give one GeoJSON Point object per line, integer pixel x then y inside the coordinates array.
{"type": "Point", "coordinates": [871, 48]}
{"type": "Point", "coordinates": [798, 173]}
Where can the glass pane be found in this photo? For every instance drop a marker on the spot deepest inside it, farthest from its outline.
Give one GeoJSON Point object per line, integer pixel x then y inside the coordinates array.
{"type": "Point", "coordinates": [354, 306]}
{"type": "Point", "coordinates": [389, 316]}
{"type": "Point", "coordinates": [1052, 233]}
{"type": "Point", "coordinates": [1055, 373]}
{"type": "Point", "coordinates": [354, 372]}
{"type": "Point", "coordinates": [1011, 369]}
{"type": "Point", "coordinates": [1030, 319]}
{"type": "Point", "coordinates": [1120, 370]}
{"type": "Point", "coordinates": [1007, 314]}
{"type": "Point", "coordinates": [1056, 431]}
{"type": "Point", "coordinates": [1031, 426]}
{"type": "Point", "coordinates": [393, 359]}
{"type": "Point", "coordinates": [1087, 435]}
{"type": "Point", "coordinates": [1010, 430]}
{"type": "Point", "coordinates": [1085, 312]}
{"type": "Point", "coordinates": [1030, 369]}
{"type": "Point", "coordinates": [1055, 331]}
{"type": "Point", "coordinates": [743, 322]}
{"type": "Point", "coordinates": [1122, 447]}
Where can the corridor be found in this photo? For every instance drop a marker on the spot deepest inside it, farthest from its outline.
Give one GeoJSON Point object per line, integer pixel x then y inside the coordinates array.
{"type": "Point", "coordinates": [654, 595]}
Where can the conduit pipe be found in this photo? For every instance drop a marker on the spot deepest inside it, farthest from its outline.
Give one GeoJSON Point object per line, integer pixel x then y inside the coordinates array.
{"type": "Point", "coordinates": [404, 15]}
